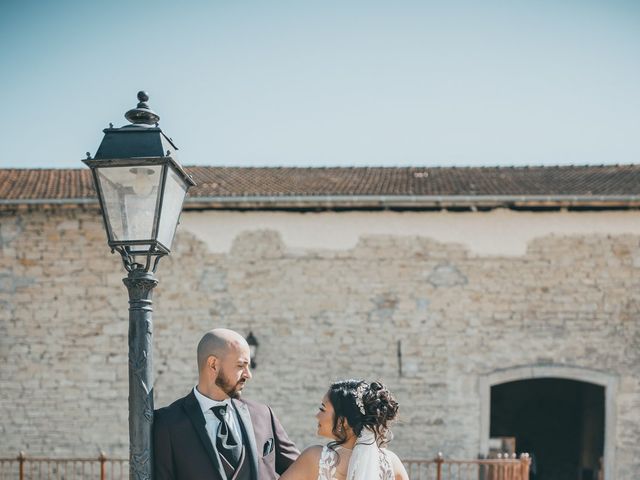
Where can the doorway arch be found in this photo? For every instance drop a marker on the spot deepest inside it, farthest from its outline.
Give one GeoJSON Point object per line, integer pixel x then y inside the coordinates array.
{"type": "Point", "coordinates": [528, 372]}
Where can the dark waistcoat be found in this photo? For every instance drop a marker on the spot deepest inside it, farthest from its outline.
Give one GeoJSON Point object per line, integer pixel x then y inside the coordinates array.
{"type": "Point", "coordinates": [243, 472]}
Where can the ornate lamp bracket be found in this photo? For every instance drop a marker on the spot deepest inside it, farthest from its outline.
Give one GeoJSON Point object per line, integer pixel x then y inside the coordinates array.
{"type": "Point", "coordinates": [152, 258]}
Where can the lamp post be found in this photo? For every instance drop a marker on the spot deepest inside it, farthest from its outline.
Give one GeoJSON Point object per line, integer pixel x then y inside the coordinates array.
{"type": "Point", "coordinates": [141, 188]}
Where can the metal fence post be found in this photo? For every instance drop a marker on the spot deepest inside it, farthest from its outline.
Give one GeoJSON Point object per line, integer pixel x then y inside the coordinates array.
{"type": "Point", "coordinates": [103, 466]}
{"type": "Point", "coordinates": [439, 461]}
{"type": "Point", "coordinates": [21, 458]}
{"type": "Point", "coordinates": [525, 462]}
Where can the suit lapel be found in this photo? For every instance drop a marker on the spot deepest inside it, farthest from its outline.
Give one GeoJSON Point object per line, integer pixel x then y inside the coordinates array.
{"type": "Point", "coordinates": [194, 412]}
{"type": "Point", "coordinates": [247, 425]}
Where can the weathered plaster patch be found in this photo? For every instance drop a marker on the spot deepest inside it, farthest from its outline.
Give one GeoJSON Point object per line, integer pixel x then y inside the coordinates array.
{"type": "Point", "coordinates": [10, 229]}
{"type": "Point", "coordinates": [385, 307]}
{"type": "Point", "coordinates": [213, 280]}
{"type": "Point", "coordinates": [9, 282]}
{"type": "Point", "coordinates": [494, 233]}
{"type": "Point", "coordinates": [446, 276]}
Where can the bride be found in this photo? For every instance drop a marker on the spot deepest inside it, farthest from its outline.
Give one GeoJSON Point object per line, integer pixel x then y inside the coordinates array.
{"type": "Point", "coordinates": [355, 415]}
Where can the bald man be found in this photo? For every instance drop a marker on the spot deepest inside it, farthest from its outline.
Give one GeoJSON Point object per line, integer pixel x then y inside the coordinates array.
{"type": "Point", "coordinates": [213, 434]}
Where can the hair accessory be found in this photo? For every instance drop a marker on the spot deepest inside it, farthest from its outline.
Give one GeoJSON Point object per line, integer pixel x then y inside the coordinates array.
{"type": "Point", "coordinates": [359, 394]}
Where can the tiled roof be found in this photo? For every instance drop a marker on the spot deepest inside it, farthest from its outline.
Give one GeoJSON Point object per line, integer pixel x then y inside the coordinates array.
{"type": "Point", "coordinates": [228, 183]}
{"type": "Point", "coordinates": [606, 180]}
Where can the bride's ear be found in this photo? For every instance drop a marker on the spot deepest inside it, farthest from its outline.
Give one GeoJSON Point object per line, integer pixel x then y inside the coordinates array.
{"type": "Point", "coordinates": [343, 425]}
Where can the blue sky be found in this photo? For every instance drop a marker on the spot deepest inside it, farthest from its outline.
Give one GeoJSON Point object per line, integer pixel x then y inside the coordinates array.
{"type": "Point", "coordinates": [326, 83]}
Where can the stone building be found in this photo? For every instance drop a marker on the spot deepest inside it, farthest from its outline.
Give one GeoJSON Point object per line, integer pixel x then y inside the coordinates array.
{"type": "Point", "coordinates": [495, 302]}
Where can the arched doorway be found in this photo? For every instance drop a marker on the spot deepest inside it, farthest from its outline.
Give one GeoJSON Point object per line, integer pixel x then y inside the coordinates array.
{"type": "Point", "coordinates": [559, 422]}
{"type": "Point", "coordinates": [565, 416]}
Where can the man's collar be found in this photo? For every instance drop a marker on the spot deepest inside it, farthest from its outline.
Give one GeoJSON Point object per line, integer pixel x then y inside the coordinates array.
{"type": "Point", "coordinates": [206, 403]}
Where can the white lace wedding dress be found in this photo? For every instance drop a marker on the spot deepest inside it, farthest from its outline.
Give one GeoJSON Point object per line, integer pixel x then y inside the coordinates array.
{"type": "Point", "coordinates": [329, 461]}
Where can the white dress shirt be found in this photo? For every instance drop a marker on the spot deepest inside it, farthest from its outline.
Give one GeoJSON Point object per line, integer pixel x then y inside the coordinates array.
{"type": "Point", "coordinates": [212, 421]}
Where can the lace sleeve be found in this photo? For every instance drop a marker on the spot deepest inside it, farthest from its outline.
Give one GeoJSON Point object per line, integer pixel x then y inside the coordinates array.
{"type": "Point", "coordinates": [327, 466]}
{"type": "Point", "coordinates": [386, 469]}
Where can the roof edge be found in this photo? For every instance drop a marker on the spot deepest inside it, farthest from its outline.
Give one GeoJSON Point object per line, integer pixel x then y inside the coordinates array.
{"type": "Point", "coordinates": [356, 202]}
{"type": "Point", "coordinates": [412, 202]}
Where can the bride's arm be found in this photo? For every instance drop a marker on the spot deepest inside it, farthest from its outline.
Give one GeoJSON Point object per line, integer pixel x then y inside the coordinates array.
{"type": "Point", "coordinates": [306, 466]}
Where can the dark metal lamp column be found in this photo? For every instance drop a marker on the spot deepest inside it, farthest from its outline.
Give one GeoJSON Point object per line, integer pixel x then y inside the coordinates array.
{"type": "Point", "coordinates": [141, 188]}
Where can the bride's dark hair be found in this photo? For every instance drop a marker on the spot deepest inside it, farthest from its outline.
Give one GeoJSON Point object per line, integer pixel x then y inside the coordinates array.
{"type": "Point", "coordinates": [379, 405]}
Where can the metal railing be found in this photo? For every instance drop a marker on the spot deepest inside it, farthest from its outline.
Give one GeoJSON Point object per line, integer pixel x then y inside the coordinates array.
{"type": "Point", "coordinates": [502, 468]}
{"type": "Point", "coordinates": [24, 467]}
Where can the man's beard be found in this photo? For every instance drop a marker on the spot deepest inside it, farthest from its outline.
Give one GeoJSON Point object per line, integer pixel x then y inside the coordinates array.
{"type": "Point", "coordinates": [228, 387]}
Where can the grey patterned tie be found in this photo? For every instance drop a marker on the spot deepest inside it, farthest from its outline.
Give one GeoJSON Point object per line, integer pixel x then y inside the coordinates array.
{"type": "Point", "coordinates": [226, 443]}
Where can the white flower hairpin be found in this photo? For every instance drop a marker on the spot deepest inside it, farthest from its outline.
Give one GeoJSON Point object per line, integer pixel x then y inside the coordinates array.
{"type": "Point", "coordinates": [359, 394]}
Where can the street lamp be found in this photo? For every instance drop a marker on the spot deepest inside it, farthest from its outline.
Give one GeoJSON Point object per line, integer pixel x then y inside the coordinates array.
{"type": "Point", "coordinates": [253, 343]}
{"type": "Point", "coordinates": [141, 188]}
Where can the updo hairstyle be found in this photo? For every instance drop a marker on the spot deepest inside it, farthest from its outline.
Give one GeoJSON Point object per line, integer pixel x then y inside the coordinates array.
{"type": "Point", "coordinates": [379, 405]}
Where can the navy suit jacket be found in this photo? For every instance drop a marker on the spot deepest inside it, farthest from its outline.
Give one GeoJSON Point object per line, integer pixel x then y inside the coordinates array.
{"type": "Point", "coordinates": [184, 451]}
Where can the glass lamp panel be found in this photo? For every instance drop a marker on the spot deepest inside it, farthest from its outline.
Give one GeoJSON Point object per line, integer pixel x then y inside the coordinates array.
{"type": "Point", "coordinates": [130, 195]}
{"type": "Point", "coordinates": [175, 190]}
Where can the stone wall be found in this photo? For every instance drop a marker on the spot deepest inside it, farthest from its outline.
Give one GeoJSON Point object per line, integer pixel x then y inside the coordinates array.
{"type": "Point", "coordinates": [319, 314]}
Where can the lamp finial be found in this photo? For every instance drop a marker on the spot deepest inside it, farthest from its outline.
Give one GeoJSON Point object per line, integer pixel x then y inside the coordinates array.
{"type": "Point", "coordinates": [142, 114]}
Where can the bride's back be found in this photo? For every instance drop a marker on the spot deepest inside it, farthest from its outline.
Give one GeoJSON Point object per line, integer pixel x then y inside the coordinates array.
{"type": "Point", "coordinates": [356, 416]}
{"type": "Point", "coordinates": [334, 464]}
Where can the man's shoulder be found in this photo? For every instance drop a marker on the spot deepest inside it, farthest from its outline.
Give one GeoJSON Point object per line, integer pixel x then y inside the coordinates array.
{"type": "Point", "coordinates": [171, 412]}
{"type": "Point", "coordinates": [256, 407]}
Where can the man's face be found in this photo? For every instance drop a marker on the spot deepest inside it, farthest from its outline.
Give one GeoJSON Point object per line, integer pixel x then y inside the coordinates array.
{"type": "Point", "coordinates": [233, 371]}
